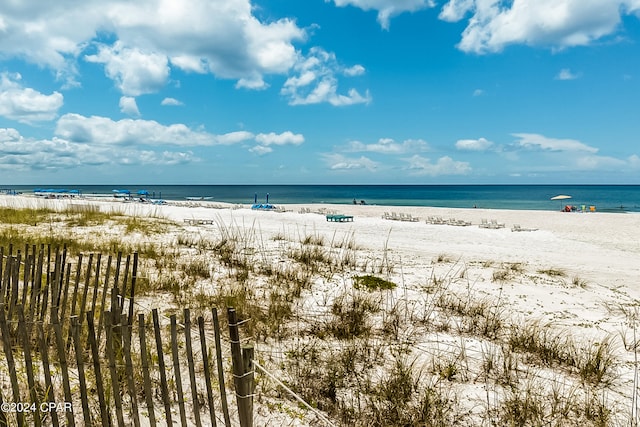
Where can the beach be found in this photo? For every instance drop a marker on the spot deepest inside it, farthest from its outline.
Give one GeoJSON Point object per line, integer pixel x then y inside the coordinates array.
{"type": "Point", "coordinates": [571, 271]}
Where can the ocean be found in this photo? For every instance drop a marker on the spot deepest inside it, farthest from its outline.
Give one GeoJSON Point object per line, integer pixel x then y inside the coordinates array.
{"type": "Point", "coordinates": [607, 198]}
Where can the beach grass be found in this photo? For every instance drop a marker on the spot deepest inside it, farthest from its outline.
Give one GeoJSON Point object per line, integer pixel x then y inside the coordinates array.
{"type": "Point", "coordinates": [338, 323]}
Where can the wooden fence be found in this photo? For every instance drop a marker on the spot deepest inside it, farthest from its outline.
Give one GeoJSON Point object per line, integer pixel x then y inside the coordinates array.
{"type": "Point", "coordinates": [76, 353]}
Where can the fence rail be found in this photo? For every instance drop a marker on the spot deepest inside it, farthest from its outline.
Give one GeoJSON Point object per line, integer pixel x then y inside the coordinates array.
{"type": "Point", "coordinates": [75, 353]}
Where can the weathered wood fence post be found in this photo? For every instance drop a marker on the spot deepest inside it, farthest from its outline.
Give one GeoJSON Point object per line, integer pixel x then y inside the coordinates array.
{"type": "Point", "coordinates": [242, 372]}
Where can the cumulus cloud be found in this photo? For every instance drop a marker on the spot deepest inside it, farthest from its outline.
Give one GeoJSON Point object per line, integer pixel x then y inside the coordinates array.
{"type": "Point", "coordinates": [283, 138]}
{"type": "Point", "coordinates": [389, 146]}
{"type": "Point", "coordinates": [232, 138]}
{"type": "Point", "coordinates": [135, 132]}
{"type": "Point", "coordinates": [260, 150]}
{"type": "Point", "coordinates": [340, 162]}
{"type": "Point", "coordinates": [480, 144]}
{"type": "Point", "coordinates": [26, 105]}
{"type": "Point", "coordinates": [171, 102]}
{"type": "Point", "coordinates": [315, 81]}
{"type": "Point", "coordinates": [223, 38]}
{"type": "Point", "coordinates": [495, 24]}
{"type": "Point", "coordinates": [135, 72]}
{"type": "Point", "coordinates": [566, 74]}
{"type": "Point", "coordinates": [18, 153]}
{"type": "Point", "coordinates": [129, 106]}
{"type": "Point", "coordinates": [539, 142]}
{"type": "Point", "coordinates": [103, 130]}
{"type": "Point", "coordinates": [387, 9]}
{"type": "Point", "coordinates": [445, 165]}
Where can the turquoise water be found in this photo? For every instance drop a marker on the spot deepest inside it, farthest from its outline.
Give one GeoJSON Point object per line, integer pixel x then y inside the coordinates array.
{"type": "Point", "coordinates": [613, 198]}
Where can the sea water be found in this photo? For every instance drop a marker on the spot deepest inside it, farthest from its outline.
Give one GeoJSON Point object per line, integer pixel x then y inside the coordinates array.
{"type": "Point", "coordinates": [607, 198]}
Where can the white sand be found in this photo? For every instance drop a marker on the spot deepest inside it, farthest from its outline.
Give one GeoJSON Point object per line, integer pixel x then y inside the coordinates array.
{"type": "Point", "coordinates": [601, 250]}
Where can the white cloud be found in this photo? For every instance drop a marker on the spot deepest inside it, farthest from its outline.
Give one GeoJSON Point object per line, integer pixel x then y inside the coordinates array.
{"type": "Point", "coordinates": [233, 137]}
{"type": "Point", "coordinates": [356, 70]}
{"type": "Point", "coordinates": [478, 92]}
{"type": "Point", "coordinates": [315, 81]}
{"type": "Point", "coordinates": [260, 150]}
{"type": "Point", "coordinates": [566, 74]}
{"type": "Point", "coordinates": [224, 38]}
{"type": "Point", "coordinates": [340, 162]}
{"type": "Point", "coordinates": [134, 71]}
{"type": "Point", "coordinates": [480, 144]}
{"type": "Point", "coordinates": [171, 102]}
{"type": "Point", "coordinates": [443, 166]}
{"type": "Point", "coordinates": [26, 105]}
{"type": "Point", "coordinates": [129, 106]}
{"type": "Point", "coordinates": [495, 24]}
{"type": "Point", "coordinates": [536, 141]}
{"type": "Point", "coordinates": [22, 154]}
{"type": "Point", "coordinates": [386, 8]}
{"type": "Point", "coordinates": [389, 146]}
{"type": "Point", "coordinates": [455, 10]}
{"type": "Point", "coordinates": [102, 130]}
{"type": "Point", "coordinates": [283, 138]}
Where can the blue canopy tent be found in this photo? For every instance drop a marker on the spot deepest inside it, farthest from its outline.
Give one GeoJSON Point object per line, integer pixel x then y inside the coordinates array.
{"type": "Point", "coordinates": [122, 193]}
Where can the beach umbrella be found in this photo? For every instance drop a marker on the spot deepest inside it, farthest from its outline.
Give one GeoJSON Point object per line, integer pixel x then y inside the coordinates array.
{"type": "Point", "coordinates": [561, 197]}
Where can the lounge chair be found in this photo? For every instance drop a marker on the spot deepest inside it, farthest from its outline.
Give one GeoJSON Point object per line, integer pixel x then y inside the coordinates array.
{"type": "Point", "coordinates": [495, 224]}
{"type": "Point", "coordinates": [517, 227]}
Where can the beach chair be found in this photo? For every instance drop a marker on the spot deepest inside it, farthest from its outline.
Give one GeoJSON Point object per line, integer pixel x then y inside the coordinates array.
{"type": "Point", "coordinates": [495, 224]}
{"type": "Point", "coordinates": [484, 223]}
{"type": "Point", "coordinates": [517, 227]}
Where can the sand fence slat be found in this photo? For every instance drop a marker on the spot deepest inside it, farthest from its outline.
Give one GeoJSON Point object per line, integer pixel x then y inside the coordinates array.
{"type": "Point", "coordinates": [28, 364]}
{"type": "Point", "coordinates": [134, 276]}
{"type": "Point", "coordinates": [85, 290]}
{"type": "Point", "coordinates": [240, 376]}
{"type": "Point", "coordinates": [82, 382]}
{"type": "Point", "coordinates": [131, 386]}
{"type": "Point", "coordinates": [13, 286]}
{"type": "Point", "coordinates": [192, 372]}
{"type": "Point", "coordinates": [115, 380]}
{"type": "Point", "coordinates": [37, 289]}
{"type": "Point", "coordinates": [125, 277]}
{"type": "Point", "coordinates": [50, 396]}
{"type": "Point", "coordinates": [95, 356]}
{"type": "Point", "coordinates": [65, 292]}
{"type": "Point", "coordinates": [103, 301]}
{"type": "Point", "coordinates": [223, 390]}
{"type": "Point", "coordinates": [176, 370]}
{"type": "Point", "coordinates": [11, 364]}
{"type": "Point", "coordinates": [44, 291]}
{"type": "Point", "coordinates": [64, 368]}
{"type": "Point", "coordinates": [145, 370]}
{"type": "Point", "coordinates": [96, 284]}
{"type": "Point", "coordinates": [207, 371]}
{"type": "Point", "coordinates": [25, 278]}
{"type": "Point", "coordinates": [161, 367]}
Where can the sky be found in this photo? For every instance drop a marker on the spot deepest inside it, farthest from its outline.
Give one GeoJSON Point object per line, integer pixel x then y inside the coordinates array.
{"type": "Point", "coordinates": [319, 92]}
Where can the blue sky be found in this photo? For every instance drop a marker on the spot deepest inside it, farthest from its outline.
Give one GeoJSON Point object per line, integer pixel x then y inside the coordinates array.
{"type": "Point", "coordinates": [320, 92]}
